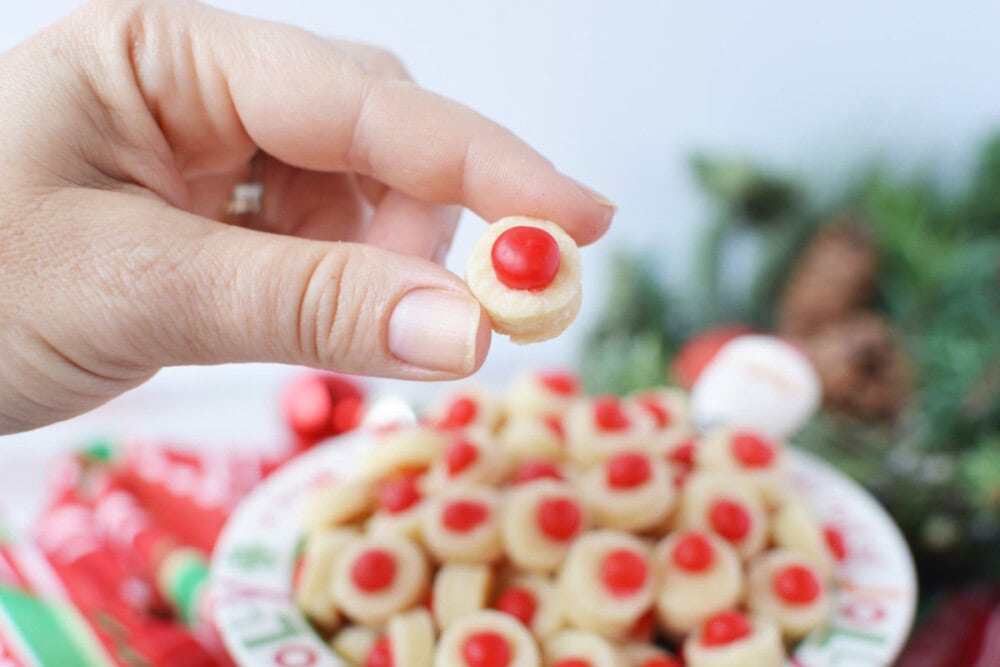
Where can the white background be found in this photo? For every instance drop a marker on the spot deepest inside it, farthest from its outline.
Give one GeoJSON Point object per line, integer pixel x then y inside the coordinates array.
{"type": "Point", "coordinates": [618, 94]}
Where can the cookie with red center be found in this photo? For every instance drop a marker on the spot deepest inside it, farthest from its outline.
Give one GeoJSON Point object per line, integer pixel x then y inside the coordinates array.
{"type": "Point", "coordinates": [542, 393]}
{"type": "Point", "coordinates": [540, 520]}
{"type": "Point", "coordinates": [531, 437]}
{"type": "Point", "coordinates": [470, 458]}
{"type": "Point", "coordinates": [531, 599]}
{"type": "Point", "coordinates": [462, 525]}
{"type": "Point", "coordinates": [668, 409]}
{"type": "Point", "coordinates": [599, 427]}
{"type": "Point", "coordinates": [727, 505]}
{"type": "Point", "coordinates": [700, 575]}
{"type": "Point", "coordinates": [579, 648]}
{"type": "Point", "coordinates": [399, 507]}
{"type": "Point", "coordinates": [470, 406]}
{"type": "Point", "coordinates": [607, 582]}
{"type": "Point", "coordinates": [732, 638]}
{"type": "Point", "coordinates": [789, 590]}
{"type": "Point", "coordinates": [403, 450]}
{"type": "Point", "coordinates": [534, 469]}
{"type": "Point", "coordinates": [487, 639]}
{"type": "Point", "coordinates": [526, 274]}
{"type": "Point", "coordinates": [460, 589]}
{"type": "Point", "coordinates": [757, 458]}
{"type": "Point", "coordinates": [794, 527]}
{"type": "Point", "coordinates": [312, 592]}
{"type": "Point", "coordinates": [377, 576]}
{"type": "Point", "coordinates": [411, 639]}
{"type": "Point", "coordinates": [630, 490]}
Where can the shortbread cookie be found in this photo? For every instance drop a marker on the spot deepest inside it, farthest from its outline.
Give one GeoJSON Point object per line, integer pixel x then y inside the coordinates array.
{"type": "Point", "coordinates": [606, 583]}
{"type": "Point", "coordinates": [728, 506]}
{"type": "Point", "coordinates": [312, 590]}
{"type": "Point", "coordinates": [542, 393]}
{"type": "Point", "coordinates": [788, 589]}
{"type": "Point", "coordinates": [337, 503]}
{"type": "Point", "coordinates": [540, 520]}
{"type": "Point", "coordinates": [599, 427]}
{"type": "Point", "coordinates": [459, 590]}
{"type": "Point", "coordinates": [411, 638]}
{"type": "Point", "coordinates": [534, 469]}
{"type": "Point", "coordinates": [793, 527]}
{"type": "Point", "coordinates": [526, 274]}
{"type": "Point", "coordinates": [579, 648]}
{"type": "Point", "coordinates": [700, 576]}
{"type": "Point", "coordinates": [526, 437]}
{"type": "Point", "coordinates": [470, 406]}
{"type": "Point", "coordinates": [758, 459]}
{"type": "Point", "coordinates": [484, 639]}
{"type": "Point", "coordinates": [629, 491]}
{"type": "Point", "coordinates": [404, 450]}
{"type": "Point", "coordinates": [399, 507]}
{"type": "Point", "coordinates": [353, 643]}
{"type": "Point", "coordinates": [470, 458]}
{"type": "Point", "coordinates": [533, 600]}
{"type": "Point", "coordinates": [378, 576]}
{"type": "Point", "coordinates": [731, 639]}
{"type": "Point", "coordinates": [462, 525]}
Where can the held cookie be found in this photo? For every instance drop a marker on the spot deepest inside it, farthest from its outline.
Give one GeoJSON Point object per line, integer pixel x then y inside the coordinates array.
{"type": "Point", "coordinates": [487, 639]}
{"type": "Point", "coordinates": [786, 588]}
{"type": "Point", "coordinates": [526, 274]}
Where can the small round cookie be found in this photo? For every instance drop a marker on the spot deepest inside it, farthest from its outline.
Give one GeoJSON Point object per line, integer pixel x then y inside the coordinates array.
{"type": "Point", "coordinates": [728, 506]}
{"type": "Point", "coordinates": [533, 600]}
{"type": "Point", "coordinates": [730, 638]}
{"type": "Point", "coordinates": [788, 589]}
{"type": "Point", "coordinates": [529, 437]}
{"type": "Point", "coordinates": [607, 582]}
{"type": "Point", "coordinates": [534, 469]}
{"type": "Point", "coordinates": [643, 654]}
{"type": "Point", "coordinates": [378, 576]}
{"type": "Point", "coordinates": [404, 450]}
{"type": "Point", "coordinates": [470, 406]}
{"type": "Point", "coordinates": [630, 490]}
{"type": "Point", "coordinates": [794, 527]}
{"type": "Point", "coordinates": [399, 507]}
{"type": "Point", "coordinates": [470, 458]}
{"type": "Point", "coordinates": [459, 590]}
{"type": "Point", "coordinates": [487, 639]}
{"type": "Point", "coordinates": [599, 427]}
{"type": "Point", "coordinates": [312, 587]}
{"type": "Point", "coordinates": [526, 274]}
{"type": "Point", "coordinates": [354, 643]}
{"type": "Point", "coordinates": [337, 503]}
{"type": "Point", "coordinates": [540, 520]}
{"type": "Point", "coordinates": [700, 575]}
{"type": "Point", "coordinates": [462, 525]}
{"type": "Point", "coordinates": [579, 648]}
{"type": "Point", "coordinates": [668, 407]}
{"type": "Point", "coordinates": [542, 393]}
{"type": "Point", "coordinates": [411, 639]}
{"type": "Point", "coordinates": [758, 459]}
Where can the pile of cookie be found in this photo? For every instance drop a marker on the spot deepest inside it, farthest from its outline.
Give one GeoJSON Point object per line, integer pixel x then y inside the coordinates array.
{"type": "Point", "coordinates": [545, 527]}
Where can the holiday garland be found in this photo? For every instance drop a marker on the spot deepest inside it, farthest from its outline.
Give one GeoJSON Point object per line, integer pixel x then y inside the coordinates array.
{"type": "Point", "coordinates": [893, 289]}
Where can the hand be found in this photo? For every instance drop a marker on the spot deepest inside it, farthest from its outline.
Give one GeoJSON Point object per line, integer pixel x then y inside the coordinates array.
{"type": "Point", "coordinates": [126, 126]}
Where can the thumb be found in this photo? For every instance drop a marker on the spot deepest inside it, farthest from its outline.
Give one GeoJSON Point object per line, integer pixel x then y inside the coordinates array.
{"type": "Point", "coordinates": [226, 294]}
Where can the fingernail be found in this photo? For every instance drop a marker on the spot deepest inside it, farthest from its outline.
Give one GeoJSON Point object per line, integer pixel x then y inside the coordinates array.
{"type": "Point", "coordinates": [439, 330]}
{"type": "Point", "coordinates": [600, 199]}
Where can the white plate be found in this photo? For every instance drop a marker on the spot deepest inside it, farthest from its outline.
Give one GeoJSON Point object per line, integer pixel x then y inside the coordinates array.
{"type": "Point", "coordinates": [256, 555]}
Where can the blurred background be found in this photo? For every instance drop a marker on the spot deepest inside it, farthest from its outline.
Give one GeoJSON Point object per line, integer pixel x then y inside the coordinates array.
{"type": "Point", "coordinates": [622, 96]}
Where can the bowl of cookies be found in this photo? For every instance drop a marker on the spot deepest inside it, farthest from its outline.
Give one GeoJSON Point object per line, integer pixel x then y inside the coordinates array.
{"type": "Point", "coordinates": [539, 527]}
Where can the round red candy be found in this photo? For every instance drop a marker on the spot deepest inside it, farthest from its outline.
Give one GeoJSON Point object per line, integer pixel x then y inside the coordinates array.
{"type": "Point", "coordinates": [561, 383]}
{"type": "Point", "coordinates": [559, 518]}
{"type": "Point", "coordinates": [729, 519]}
{"type": "Point", "coordinates": [623, 572]}
{"type": "Point", "coordinates": [693, 553]}
{"type": "Point", "coordinates": [374, 570]}
{"type": "Point", "coordinates": [486, 649]}
{"type": "Point", "coordinates": [659, 413]}
{"type": "Point", "coordinates": [400, 494]}
{"type": "Point", "coordinates": [525, 258]}
{"type": "Point", "coordinates": [725, 628]}
{"type": "Point", "coordinates": [683, 453]}
{"type": "Point", "coordinates": [752, 451]}
{"type": "Point", "coordinates": [519, 603]}
{"type": "Point", "coordinates": [796, 585]}
{"type": "Point", "coordinates": [608, 414]}
{"type": "Point", "coordinates": [380, 654]}
{"type": "Point", "coordinates": [627, 470]}
{"type": "Point", "coordinates": [533, 470]}
{"type": "Point", "coordinates": [462, 516]}
{"type": "Point", "coordinates": [460, 413]}
{"type": "Point", "coordinates": [460, 455]}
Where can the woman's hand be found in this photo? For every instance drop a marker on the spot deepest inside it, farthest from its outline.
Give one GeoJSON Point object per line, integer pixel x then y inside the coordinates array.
{"type": "Point", "coordinates": [125, 128]}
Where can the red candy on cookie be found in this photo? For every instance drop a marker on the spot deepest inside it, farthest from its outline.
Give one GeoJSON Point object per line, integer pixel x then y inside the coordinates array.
{"type": "Point", "coordinates": [525, 258]}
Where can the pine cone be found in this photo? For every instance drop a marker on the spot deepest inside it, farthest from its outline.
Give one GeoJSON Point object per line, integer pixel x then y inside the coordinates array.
{"type": "Point", "coordinates": [862, 366]}
{"type": "Point", "coordinates": [835, 275]}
